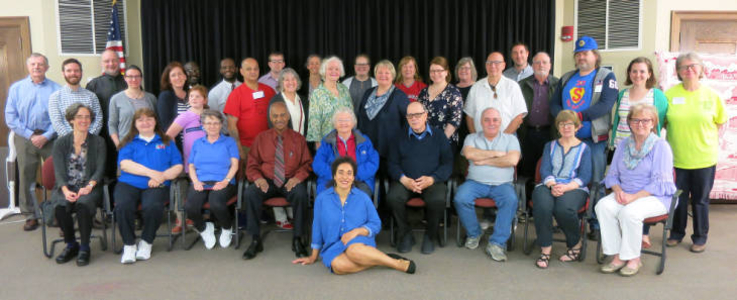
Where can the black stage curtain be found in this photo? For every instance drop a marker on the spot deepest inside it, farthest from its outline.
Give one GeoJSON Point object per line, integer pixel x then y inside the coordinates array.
{"type": "Point", "coordinates": [206, 31]}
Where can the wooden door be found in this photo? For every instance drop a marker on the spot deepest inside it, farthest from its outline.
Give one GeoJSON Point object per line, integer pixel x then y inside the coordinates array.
{"type": "Point", "coordinates": [15, 47]}
{"type": "Point", "coordinates": [704, 32]}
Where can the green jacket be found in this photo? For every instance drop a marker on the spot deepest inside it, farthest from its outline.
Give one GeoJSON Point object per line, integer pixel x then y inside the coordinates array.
{"type": "Point", "coordinates": [660, 102]}
{"type": "Point", "coordinates": [529, 94]}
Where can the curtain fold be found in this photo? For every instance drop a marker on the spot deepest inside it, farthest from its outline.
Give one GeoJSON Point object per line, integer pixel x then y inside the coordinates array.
{"type": "Point", "coordinates": [206, 31]}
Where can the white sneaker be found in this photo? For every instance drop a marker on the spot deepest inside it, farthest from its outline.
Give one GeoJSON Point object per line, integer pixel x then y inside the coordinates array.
{"type": "Point", "coordinates": [208, 235]}
{"type": "Point", "coordinates": [226, 237]}
{"type": "Point", "coordinates": [485, 224]}
{"type": "Point", "coordinates": [129, 254]}
{"type": "Point", "coordinates": [144, 251]}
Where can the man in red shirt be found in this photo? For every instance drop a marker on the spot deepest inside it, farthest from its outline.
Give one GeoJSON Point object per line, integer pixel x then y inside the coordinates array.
{"type": "Point", "coordinates": [246, 107]}
{"type": "Point", "coordinates": [278, 165]}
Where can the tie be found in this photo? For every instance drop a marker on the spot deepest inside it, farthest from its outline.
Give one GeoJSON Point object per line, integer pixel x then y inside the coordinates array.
{"type": "Point", "coordinates": [279, 163]}
{"type": "Point", "coordinates": [232, 86]}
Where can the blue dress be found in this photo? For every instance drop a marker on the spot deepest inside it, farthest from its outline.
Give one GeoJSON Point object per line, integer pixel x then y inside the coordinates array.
{"type": "Point", "coordinates": [332, 220]}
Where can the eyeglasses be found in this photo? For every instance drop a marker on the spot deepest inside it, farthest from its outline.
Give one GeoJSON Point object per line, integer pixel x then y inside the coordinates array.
{"type": "Point", "coordinates": [415, 115]}
{"type": "Point", "coordinates": [133, 76]}
{"type": "Point", "coordinates": [277, 61]}
{"type": "Point", "coordinates": [691, 66]}
{"type": "Point", "coordinates": [362, 65]}
{"type": "Point", "coordinates": [83, 117]}
{"type": "Point", "coordinates": [211, 124]}
{"type": "Point", "coordinates": [437, 71]}
{"type": "Point", "coordinates": [466, 68]}
{"type": "Point", "coordinates": [640, 122]}
{"type": "Point", "coordinates": [494, 62]}
{"type": "Point", "coordinates": [566, 125]}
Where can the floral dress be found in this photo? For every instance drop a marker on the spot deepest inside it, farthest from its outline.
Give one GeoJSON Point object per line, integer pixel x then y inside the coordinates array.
{"type": "Point", "coordinates": [76, 167]}
{"type": "Point", "coordinates": [445, 109]}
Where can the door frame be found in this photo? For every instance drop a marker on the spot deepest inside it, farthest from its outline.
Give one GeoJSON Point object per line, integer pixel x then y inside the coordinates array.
{"type": "Point", "coordinates": [676, 17]}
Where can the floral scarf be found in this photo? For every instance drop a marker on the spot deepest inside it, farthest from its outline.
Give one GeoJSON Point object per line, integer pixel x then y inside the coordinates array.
{"type": "Point", "coordinates": [632, 157]}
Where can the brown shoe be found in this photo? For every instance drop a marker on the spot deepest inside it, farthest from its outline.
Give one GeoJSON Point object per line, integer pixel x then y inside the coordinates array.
{"type": "Point", "coordinates": [696, 248]}
{"type": "Point", "coordinates": [31, 225]}
{"type": "Point", "coordinates": [672, 243]}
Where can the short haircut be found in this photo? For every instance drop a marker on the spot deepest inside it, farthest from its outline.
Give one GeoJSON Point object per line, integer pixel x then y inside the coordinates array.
{"type": "Point", "coordinates": [280, 104]}
{"type": "Point", "coordinates": [405, 60]}
{"type": "Point", "coordinates": [519, 44]}
{"type": "Point", "coordinates": [692, 56]}
{"type": "Point", "coordinates": [642, 60]}
{"type": "Point", "coordinates": [327, 61]}
{"type": "Point", "coordinates": [424, 108]}
{"type": "Point", "coordinates": [643, 108]}
{"type": "Point", "coordinates": [275, 53]}
{"type": "Point", "coordinates": [483, 112]}
{"type": "Point", "coordinates": [467, 60]}
{"type": "Point", "coordinates": [386, 64]}
{"type": "Point", "coordinates": [441, 61]}
{"type": "Point", "coordinates": [36, 54]}
{"type": "Point", "coordinates": [200, 89]}
{"type": "Point", "coordinates": [165, 83]}
{"type": "Point", "coordinates": [344, 110]}
{"type": "Point", "coordinates": [280, 80]}
{"type": "Point", "coordinates": [209, 113]}
{"type": "Point", "coordinates": [565, 116]}
{"type": "Point", "coordinates": [70, 61]}
{"type": "Point", "coordinates": [74, 108]}
{"type": "Point", "coordinates": [334, 168]}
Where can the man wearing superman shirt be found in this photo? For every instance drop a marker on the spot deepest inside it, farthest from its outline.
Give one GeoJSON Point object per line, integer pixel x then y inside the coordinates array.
{"type": "Point", "coordinates": [590, 91]}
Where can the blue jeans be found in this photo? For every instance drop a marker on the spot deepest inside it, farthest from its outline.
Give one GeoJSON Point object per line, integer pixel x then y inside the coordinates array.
{"type": "Point", "coordinates": [506, 201]}
{"type": "Point", "coordinates": [598, 163]}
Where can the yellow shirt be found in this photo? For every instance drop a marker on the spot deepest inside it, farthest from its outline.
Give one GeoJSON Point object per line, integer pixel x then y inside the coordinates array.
{"type": "Point", "coordinates": [692, 126]}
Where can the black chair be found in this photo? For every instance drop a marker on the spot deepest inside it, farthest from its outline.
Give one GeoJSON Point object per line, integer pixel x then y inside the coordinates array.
{"type": "Point", "coordinates": [584, 213]}
{"type": "Point", "coordinates": [168, 210]}
{"type": "Point", "coordinates": [48, 180]}
{"type": "Point", "coordinates": [417, 202]}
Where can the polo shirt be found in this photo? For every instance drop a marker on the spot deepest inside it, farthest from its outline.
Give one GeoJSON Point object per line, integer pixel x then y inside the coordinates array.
{"type": "Point", "coordinates": [154, 155]}
{"type": "Point", "coordinates": [251, 108]}
{"type": "Point", "coordinates": [509, 101]}
{"type": "Point", "coordinates": [212, 160]}
{"type": "Point", "coordinates": [488, 174]}
{"type": "Point", "coordinates": [692, 132]}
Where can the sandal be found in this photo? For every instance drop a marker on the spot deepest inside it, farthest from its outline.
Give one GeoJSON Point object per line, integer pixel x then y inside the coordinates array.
{"type": "Point", "coordinates": [544, 258]}
{"type": "Point", "coordinates": [572, 254]}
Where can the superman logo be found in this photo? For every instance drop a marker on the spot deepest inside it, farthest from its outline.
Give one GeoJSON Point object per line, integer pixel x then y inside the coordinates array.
{"type": "Point", "coordinates": [577, 94]}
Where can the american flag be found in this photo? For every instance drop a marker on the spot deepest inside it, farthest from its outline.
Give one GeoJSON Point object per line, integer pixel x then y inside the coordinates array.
{"type": "Point", "coordinates": [114, 41]}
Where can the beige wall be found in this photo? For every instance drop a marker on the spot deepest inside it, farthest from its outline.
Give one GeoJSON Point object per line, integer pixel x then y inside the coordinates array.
{"type": "Point", "coordinates": [655, 32]}
{"type": "Point", "coordinates": [45, 39]}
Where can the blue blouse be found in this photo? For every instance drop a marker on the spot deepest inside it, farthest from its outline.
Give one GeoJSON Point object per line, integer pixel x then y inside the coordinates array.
{"type": "Point", "coordinates": [564, 167]}
{"type": "Point", "coordinates": [332, 220]}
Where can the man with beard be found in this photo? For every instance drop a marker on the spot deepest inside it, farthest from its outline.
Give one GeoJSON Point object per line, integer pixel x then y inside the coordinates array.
{"type": "Point", "coordinates": [220, 92]}
{"type": "Point", "coordinates": [105, 86]}
{"type": "Point", "coordinates": [72, 93]}
{"type": "Point", "coordinates": [193, 73]}
{"type": "Point", "coordinates": [26, 114]}
{"type": "Point", "coordinates": [590, 91]}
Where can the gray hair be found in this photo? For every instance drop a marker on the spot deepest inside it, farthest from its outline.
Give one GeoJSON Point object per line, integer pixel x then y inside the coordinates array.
{"type": "Point", "coordinates": [469, 60]}
{"type": "Point", "coordinates": [209, 113]}
{"type": "Point", "coordinates": [483, 112]}
{"type": "Point", "coordinates": [344, 110]}
{"type": "Point", "coordinates": [326, 62]}
{"type": "Point", "coordinates": [74, 108]}
{"type": "Point", "coordinates": [283, 74]}
{"type": "Point", "coordinates": [386, 64]}
{"type": "Point", "coordinates": [692, 56]}
{"type": "Point", "coordinates": [36, 54]}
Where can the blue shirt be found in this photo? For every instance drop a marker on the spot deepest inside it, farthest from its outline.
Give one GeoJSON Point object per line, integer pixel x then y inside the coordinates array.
{"type": "Point", "coordinates": [212, 160]}
{"type": "Point", "coordinates": [421, 135]}
{"type": "Point", "coordinates": [154, 155]}
{"type": "Point", "coordinates": [489, 174]}
{"type": "Point", "coordinates": [577, 97]}
{"type": "Point", "coordinates": [332, 220]}
{"type": "Point", "coordinates": [27, 108]}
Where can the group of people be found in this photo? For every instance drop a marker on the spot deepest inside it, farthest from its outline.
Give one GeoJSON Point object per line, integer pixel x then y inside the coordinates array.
{"type": "Point", "coordinates": [348, 134]}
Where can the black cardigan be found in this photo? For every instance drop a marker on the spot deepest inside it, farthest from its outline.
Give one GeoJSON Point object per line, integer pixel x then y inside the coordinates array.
{"type": "Point", "coordinates": [96, 154]}
{"type": "Point", "coordinates": [390, 120]}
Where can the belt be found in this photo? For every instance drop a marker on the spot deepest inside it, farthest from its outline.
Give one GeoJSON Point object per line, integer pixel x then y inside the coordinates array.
{"type": "Point", "coordinates": [539, 127]}
{"type": "Point", "coordinates": [39, 131]}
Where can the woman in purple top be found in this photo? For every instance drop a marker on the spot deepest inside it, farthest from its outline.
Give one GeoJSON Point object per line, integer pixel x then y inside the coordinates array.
{"type": "Point", "coordinates": [641, 180]}
{"type": "Point", "coordinates": [189, 122]}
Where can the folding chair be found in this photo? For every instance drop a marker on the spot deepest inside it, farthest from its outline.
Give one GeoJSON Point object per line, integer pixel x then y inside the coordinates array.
{"type": "Point", "coordinates": [490, 203]}
{"type": "Point", "coordinates": [48, 180]}
{"type": "Point", "coordinates": [584, 214]}
{"type": "Point", "coordinates": [417, 202]}
{"type": "Point", "coordinates": [665, 219]}
{"type": "Point", "coordinates": [168, 210]}
{"type": "Point", "coordinates": [233, 201]}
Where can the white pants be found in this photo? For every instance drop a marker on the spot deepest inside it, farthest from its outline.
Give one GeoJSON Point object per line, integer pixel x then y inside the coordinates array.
{"type": "Point", "coordinates": [621, 225]}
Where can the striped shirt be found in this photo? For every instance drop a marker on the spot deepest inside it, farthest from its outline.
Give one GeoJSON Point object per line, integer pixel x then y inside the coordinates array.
{"type": "Point", "coordinates": [60, 100]}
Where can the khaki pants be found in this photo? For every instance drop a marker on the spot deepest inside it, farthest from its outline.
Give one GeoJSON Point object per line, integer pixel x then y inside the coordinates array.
{"type": "Point", "coordinates": [29, 160]}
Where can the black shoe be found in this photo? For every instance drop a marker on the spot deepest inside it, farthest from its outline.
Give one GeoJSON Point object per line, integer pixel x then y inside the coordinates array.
{"type": "Point", "coordinates": [30, 225]}
{"type": "Point", "coordinates": [594, 235]}
{"type": "Point", "coordinates": [83, 258]}
{"type": "Point", "coordinates": [298, 248]}
{"type": "Point", "coordinates": [253, 249]}
{"type": "Point", "coordinates": [406, 244]}
{"type": "Point", "coordinates": [428, 246]}
{"type": "Point", "coordinates": [67, 255]}
{"type": "Point", "coordinates": [412, 266]}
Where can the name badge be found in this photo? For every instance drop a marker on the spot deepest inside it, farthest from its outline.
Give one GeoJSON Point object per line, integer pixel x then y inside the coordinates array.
{"type": "Point", "coordinates": [258, 95]}
{"type": "Point", "coordinates": [598, 87]}
{"type": "Point", "coordinates": [679, 100]}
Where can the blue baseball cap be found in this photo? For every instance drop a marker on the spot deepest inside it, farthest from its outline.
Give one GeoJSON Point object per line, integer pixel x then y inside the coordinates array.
{"type": "Point", "coordinates": [585, 43]}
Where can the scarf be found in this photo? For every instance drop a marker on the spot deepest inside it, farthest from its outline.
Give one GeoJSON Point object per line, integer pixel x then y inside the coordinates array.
{"type": "Point", "coordinates": [632, 157]}
{"type": "Point", "coordinates": [375, 103]}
